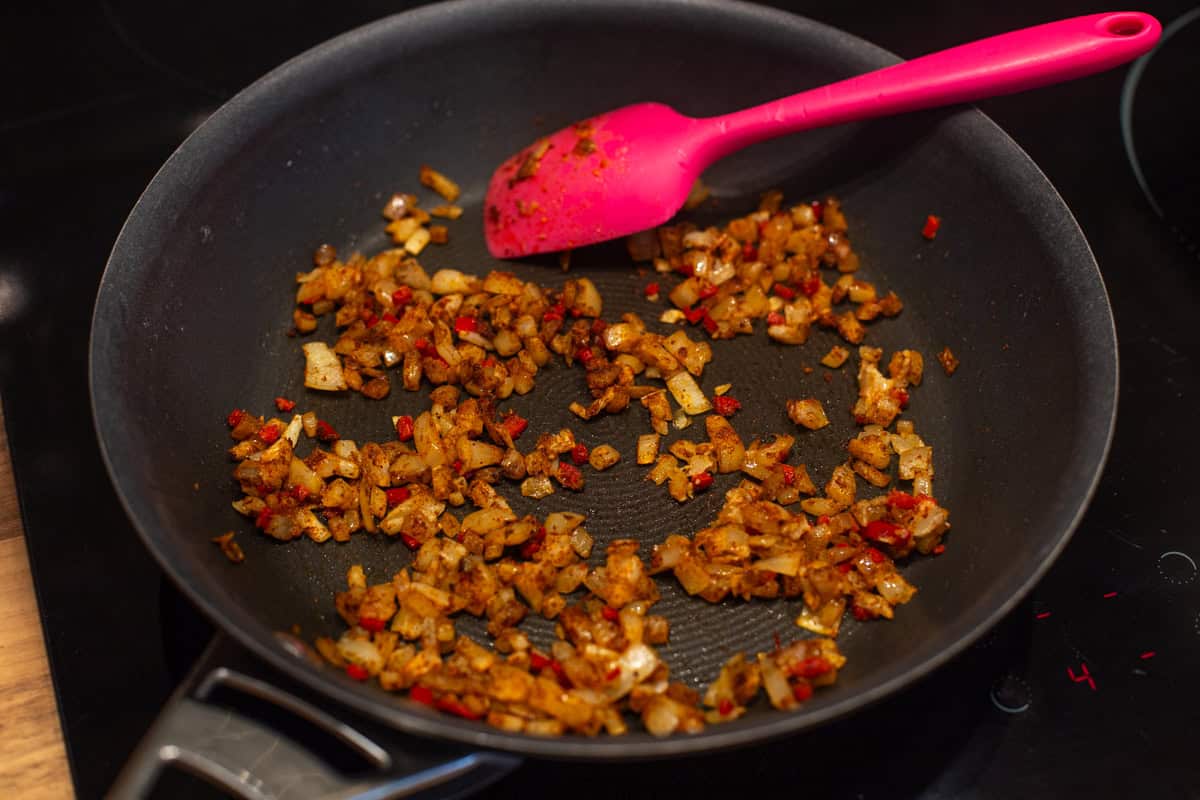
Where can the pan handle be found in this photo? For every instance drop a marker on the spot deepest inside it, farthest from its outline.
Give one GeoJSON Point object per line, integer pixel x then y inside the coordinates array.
{"type": "Point", "coordinates": [251, 761]}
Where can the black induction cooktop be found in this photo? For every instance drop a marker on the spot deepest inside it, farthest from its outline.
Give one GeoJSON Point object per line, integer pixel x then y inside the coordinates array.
{"type": "Point", "coordinates": [1086, 690]}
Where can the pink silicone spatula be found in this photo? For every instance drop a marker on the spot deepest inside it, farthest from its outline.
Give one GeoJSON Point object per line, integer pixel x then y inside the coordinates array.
{"type": "Point", "coordinates": [632, 168]}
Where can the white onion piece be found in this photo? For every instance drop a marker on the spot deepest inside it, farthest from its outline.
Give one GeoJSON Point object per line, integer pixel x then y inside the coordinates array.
{"type": "Point", "coordinates": [452, 281]}
{"type": "Point", "coordinates": [563, 522]}
{"type": "Point", "coordinates": [361, 652]}
{"type": "Point", "coordinates": [323, 368]}
{"type": "Point", "coordinates": [294, 429]}
{"type": "Point", "coordinates": [687, 393]}
{"type": "Point", "coordinates": [779, 692]}
{"type": "Point", "coordinates": [786, 564]}
{"type": "Point", "coordinates": [475, 338]}
{"type": "Point", "coordinates": [660, 719]}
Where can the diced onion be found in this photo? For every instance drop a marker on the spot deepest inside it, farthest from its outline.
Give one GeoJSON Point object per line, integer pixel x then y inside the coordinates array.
{"type": "Point", "coordinates": [323, 368]}
{"type": "Point", "coordinates": [687, 393]}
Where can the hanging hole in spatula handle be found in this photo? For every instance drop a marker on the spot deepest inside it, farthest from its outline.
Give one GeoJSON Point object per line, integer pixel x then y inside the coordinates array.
{"type": "Point", "coordinates": [1125, 24]}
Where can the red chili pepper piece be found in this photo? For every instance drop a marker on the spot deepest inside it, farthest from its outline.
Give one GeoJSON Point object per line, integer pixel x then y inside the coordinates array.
{"type": "Point", "coordinates": [558, 668]}
{"type": "Point", "coordinates": [264, 518]}
{"type": "Point", "coordinates": [709, 323]}
{"type": "Point", "coordinates": [425, 348]}
{"type": "Point", "coordinates": [651, 289]}
{"type": "Point", "coordinates": [702, 481]}
{"type": "Point", "coordinates": [694, 315]}
{"type": "Point", "coordinates": [610, 613]}
{"type": "Point", "coordinates": [404, 428]}
{"type": "Point", "coordinates": [554, 312]}
{"type": "Point", "coordinates": [357, 672]}
{"type": "Point", "coordinates": [283, 404]}
{"type": "Point", "coordinates": [749, 252]}
{"type": "Point", "coordinates": [402, 296]}
{"type": "Point", "coordinates": [515, 425]}
{"type": "Point", "coordinates": [707, 292]}
{"type": "Point", "coordinates": [823, 519]}
{"type": "Point", "coordinates": [686, 269]}
{"type": "Point", "coordinates": [930, 229]}
{"type": "Point", "coordinates": [941, 548]}
{"type": "Point", "coordinates": [725, 707]}
{"type": "Point", "coordinates": [598, 327]}
{"type": "Point", "coordinates": [454, 707]}
{"type": "Point", "coordinates": [901, 397]}
{"type": "Point", "coordinates": [410, 542]}
{"type": "Point", "coordinates": [844, 567]}
{"type": "Point", "coordinates": [789, 475]}
{"type": "Point", "coordinates": [325, 432]}
{"type": "Point", "coordinates": [397, 496]}
{"type": "Point", "coordinates": [466, 324]}
{"type": "Point", "coordinates": [877, 528]}
{"type": "Point", "coordinates": [811, 284]}
{"type": "Point", "coordinates": [422, 694]}
{"type": "Point", "coordinates": [372, 624]}
{"type": "Point", "coordinates": [457, 466]}
{"type": "Point", "coordinates": [903, 500]}
{"type": "Point", "coordinates": [300, 493]}
{"type": "Point", "coordinates": [875, 555]}
{"type": "Point", "coordinates": [802, 691]}
{"type": "Point", "coordinates": [579, 454]}
{"type": "Point", "coordinates": [371, 321]}
{"type": "Point", "coordinates": [534, 544]}
{"type": "Point", "coordinates": [538, 661]}
{"type": "Point", "coordinates": [570, 476]}
{"type": "Point", "coordinates": [812, 667]}
{"type": "Point", "coordinates": [584, 355]}
{"type": "Point", "coordinates": [862, 614]}
{"type": "Point", "coordinates": [886, 532]}
{"type": "Point", "coordinates": [576, 312]}
{"type": "Point", "coordinates": [269, 433]}
{"type": "Point", "coordinates": [786, 292]}
{"type": "Point", "coordinates": [235, 416]}
{"type": "Point", "coordinates": [390, 318]}
{"type": "Point", "coordinates": [613, 674]}
{"type": "Point", "coordinates": [726, 406]}
{"type": "Point", "coordinates": [775, 318]}
{"type": "Point", "coordinates": [818, 210]}
{"type": "Point", "coordinates": [488, 362]}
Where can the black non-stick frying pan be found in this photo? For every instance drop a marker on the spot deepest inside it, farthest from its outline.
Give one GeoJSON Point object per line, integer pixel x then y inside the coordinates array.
{"type": "Point", "coordinates": [193, 310]}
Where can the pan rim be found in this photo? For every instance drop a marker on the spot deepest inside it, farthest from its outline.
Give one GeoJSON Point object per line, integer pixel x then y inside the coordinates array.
{"type": "Point", "coordinates": [235, 621]}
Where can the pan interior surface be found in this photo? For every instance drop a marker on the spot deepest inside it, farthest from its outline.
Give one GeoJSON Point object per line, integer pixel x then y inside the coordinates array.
{"type": "Point", "coordinates": [194, 307]}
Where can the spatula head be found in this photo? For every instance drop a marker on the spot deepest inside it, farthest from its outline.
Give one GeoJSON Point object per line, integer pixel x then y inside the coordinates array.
{"type": "Point", "coordinates": [603, 177]}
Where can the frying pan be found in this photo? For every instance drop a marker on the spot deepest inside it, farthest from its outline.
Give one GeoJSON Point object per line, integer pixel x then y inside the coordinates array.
{"type": "Point", "coordinates": [193, 309]}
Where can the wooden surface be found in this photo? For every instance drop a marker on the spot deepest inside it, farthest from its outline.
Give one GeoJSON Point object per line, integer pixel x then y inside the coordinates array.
{"type": "Point", "coordinates": [33, 761]}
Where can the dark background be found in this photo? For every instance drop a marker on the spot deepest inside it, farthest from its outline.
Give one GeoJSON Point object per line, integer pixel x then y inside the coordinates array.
{"type": "Point", "coordinates": [97, 95]}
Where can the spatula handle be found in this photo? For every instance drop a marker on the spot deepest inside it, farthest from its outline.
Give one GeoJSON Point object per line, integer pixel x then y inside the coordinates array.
{"type": "Point", "coordinates": [1012, 62]}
